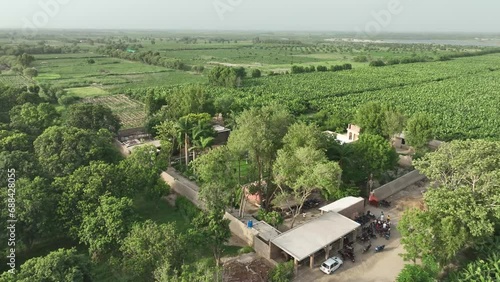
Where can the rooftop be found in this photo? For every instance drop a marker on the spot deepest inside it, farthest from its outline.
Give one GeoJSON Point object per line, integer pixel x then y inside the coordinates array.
{"type": "Point", "coordinates": [341, 204]}
{"type": "Point", "coordinates": [266, 231]}
{"type": "Point", "coordinates": [312, 236]}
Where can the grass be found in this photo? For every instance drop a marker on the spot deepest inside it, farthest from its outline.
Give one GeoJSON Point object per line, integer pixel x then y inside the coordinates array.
{"type": "Point", "coordinates": [86, 92]}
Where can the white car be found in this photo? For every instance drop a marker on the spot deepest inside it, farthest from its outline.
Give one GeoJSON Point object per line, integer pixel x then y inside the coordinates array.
{"type": "Point", "coordinates": [331, 264]}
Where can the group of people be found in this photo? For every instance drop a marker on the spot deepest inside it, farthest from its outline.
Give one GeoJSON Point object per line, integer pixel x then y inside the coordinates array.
{"type": "Point", "coordinates": [382, 225]}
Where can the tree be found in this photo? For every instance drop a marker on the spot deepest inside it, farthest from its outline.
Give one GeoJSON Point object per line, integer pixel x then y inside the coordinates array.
{"type": "Point", "coordinates": [371, 154]}
{"type": "Point", "coordinates": [150, 245]}
{"type": "Point", "coordinates": [92, 117]}
{"type": "Point", "coordinates": [193, 123]}
{"type": "Point", "coordinates": [303, 171]}
{"type": "Point", "coordinates": [60, 150]}
{"type": "Point", "coordinates": [256, 73]}
{"type": "Point", "coordinates": [90, 61]}
{"type": "Point", "coordinates": [185, 100]}
{"type": "Point", "coordinates": [60, 265]}
{"type": "Point", "coordinates": [301, 134]}
{"type": "Point", "coordinates": [33, 119]}
{"type": "Point", "coordinates": [202, 136]}
{"type": "Point", "coordinates": [394, 122]}
{"type": "Point", "coordinates": [215, 171]}
{"type": "Point", "coordinates": [25, 60]}
{"type": "Point", "coordinates": [377, 63]}
{"type": "Point", "coordinates": [458, 163]}
{"type": "Point", "coordinates": [211, 229]}
{"type": "Point", "coordinates": [371, 118]}
{"type": "Point", "coordinates": [167, 133]}
{"type": "Point", "coordinates": [23, 162]}
{"type": "Point", "coordinates": [260, 132]}
{"type": "Point", "coordinates": [427, 272]}
{"type": "Point", "coordinates": [241, 72]}
{"type": "Point", "coordinates": [104, 230]}
{"type": "Point", "coordinates": [419, 130]}
{"type": "Point", "coordinates": [223, 76]}
{"type": "Point", "coordinates": [80, 192]}
{"type": "Point", "coordinates": [30, 72]}
{"type": "Point", "coordinates": [35, 210]}
{"type": "Point", "coordinates": [13, 141]}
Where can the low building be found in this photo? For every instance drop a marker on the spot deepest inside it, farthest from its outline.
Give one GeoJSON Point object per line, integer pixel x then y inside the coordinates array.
{"type": "Point", "coordinates": [352, 134]}
{"type": "Point", "coordinates": [350, 207]}
{"type": "Point", "coordinates": [398, 140]}
{"type": "Point", "coordinates": [222, 134]}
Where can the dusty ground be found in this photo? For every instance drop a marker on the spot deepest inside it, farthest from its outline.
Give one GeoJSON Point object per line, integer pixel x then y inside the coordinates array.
{"type": "Point", "coordinates": [371, 266]}
{"type": "Point", "coordinates": [246, 268]}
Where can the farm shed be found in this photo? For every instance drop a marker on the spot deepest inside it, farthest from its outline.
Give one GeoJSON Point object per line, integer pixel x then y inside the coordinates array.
{"type": "Point", "coordinates": [324, 233]}
{"type": "Point", "coordinates": [349, 207]}
{"type": "Point", "coordinates": [222, 134]}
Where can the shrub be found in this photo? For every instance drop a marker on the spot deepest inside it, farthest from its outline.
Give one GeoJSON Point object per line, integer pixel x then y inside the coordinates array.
{"type": "Point", "coordinates": [377, 63]}
{"type": "Point", "coordinates": [186, 208]}
{"type": "Point", "coordinates": [282, 272]}
{"type": "Point", "coordinates": [256, 73]}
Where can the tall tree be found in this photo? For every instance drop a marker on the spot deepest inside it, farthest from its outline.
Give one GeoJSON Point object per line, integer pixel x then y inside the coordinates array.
{"type": "Point", "coordinates": [302, 171]}
{"type": "Point", "coordinates": [215, 170]}
{"type": "Point", "coordinates": [59, 265]}
{"type": "Point", "coordinates": [371, 118]}
{"type": "Point", "coordinates": [92, 117]}
{"type": "Point", "coordinates": [394, 122]}
{"type": "Point", "coordinates": [60, 150]}
{"type": "Point", "coordinates": [33, 119]}
{"type": "Point", "coordinates": [104, 230]}
{"type": "Point", "coordinates": [149, 246]}
{"type": "Point", "coordinates": [260, 132]}
{"type": "Point", "coordinates": [419, 130]}
{"type": "Point", "coordinates": [211, 229]}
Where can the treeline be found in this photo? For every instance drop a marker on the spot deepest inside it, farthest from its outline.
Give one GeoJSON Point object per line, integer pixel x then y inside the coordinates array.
{"type": "Point", "coordinates": [423, 59]}
{"type": "Point", "coordinates": [257, 40]}
{"type": "Point", "coordinates": [303, 69]}
{"type": "Point", "coordinates": [37, 49]}
{"type": "Point", "coordinates": [149, 57]}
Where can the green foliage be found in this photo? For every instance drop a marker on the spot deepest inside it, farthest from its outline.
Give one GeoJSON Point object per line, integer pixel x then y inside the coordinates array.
{"type": "Point", "coordinates": [371, 118]}
{"type": "Point", "coordinates": [148, 246]}
{"type": "Point", "coordinates": [256, 73]}
{"type": "Point", "coordinates": [259, 132]}
{"type": "Point", "coordinates": [103, 231]}
{"type": "Point", "coordinates": [427, 272]}
{"type": "Point", "coordinates": [33, 119]}
{"type": "Point", "coordinates": [216, 172]}
{"type": "Point", "coordinates": [25, 60]}
{"type": "Point", "coordinates": [211, 229]}
{"type": "Point", "coordinates": [274, 218]}
{"type": "Point", "coordinates": [92, 117]}
{"type": "Point", "coordinates": [223, 76]}
{"type": "Point", "coordinates": [30, 72]}
{"type": "Point", "coordinates": [13, 141]}
{"type": "Point", "coordinates": [283, 272]}
{"type": "Point", "coordinates": [419, 130]}
{"type": "Point", "coordinates": [61, 150]}
{"type": "Point", "coordinates": [301, 134]}
{"type": "Point", "coordinates": [186, 208]}
{"type": "Point", "coordinates": [60, 265]}
{"type": "Point", "coordinates": [377, 63]}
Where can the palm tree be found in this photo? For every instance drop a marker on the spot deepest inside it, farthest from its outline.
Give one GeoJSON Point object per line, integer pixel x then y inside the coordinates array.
{"type": "Point", "coordinates": [200, 136]}
{"type": "Point", "coordinates": [183, 128]}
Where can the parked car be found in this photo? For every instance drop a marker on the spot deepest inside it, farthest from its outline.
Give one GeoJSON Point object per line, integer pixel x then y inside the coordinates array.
{"type": "Point", "coordinates": [331, 264]}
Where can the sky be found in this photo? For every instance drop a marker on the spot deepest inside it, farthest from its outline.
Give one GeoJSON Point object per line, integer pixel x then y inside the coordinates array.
{"type": "Point", "coordinates": [276, 15]}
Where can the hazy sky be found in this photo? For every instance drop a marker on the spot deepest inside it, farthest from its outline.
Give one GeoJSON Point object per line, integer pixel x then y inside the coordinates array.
{"type": "Point", "coordinates": [327, 15]}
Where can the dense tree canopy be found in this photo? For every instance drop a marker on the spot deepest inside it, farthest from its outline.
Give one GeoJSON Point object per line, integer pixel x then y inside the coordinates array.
{"type": "Point", "coordinates": [92, 117]}
{"type": "Point", "coordinates": [61, 150]}
{"type": "Point", "coordinates": [33, 119]}
{"type": "Point", "coordinates": [419, 130]}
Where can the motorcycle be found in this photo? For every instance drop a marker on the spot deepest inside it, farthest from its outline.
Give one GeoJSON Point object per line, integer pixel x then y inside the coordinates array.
{"type": "Point", "coordinates": [379, 248]}
{"type": "Point", "coordinates": [370, 215]}
{"type": "Point", "coordinates": [367, 248]}
{"type": "Point", "coordinates": [385, 203]}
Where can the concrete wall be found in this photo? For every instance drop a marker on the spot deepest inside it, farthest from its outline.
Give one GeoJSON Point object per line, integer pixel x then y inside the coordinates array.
{"type": "Point", "coordinates": [397, 185]}
{"type": "Point", "coordinates": [353, 211]}
{"type": "Point", "coordinates": [181, 188]}
{"type": "Point", "coordinates": [241, 229]}
{"type": "Point", "coordinates": [123, 149]}
{"type": "Point", "coordinates": [261, 248]}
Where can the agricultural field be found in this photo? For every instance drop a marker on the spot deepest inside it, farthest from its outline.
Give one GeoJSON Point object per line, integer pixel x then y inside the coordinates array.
{"type": "Point", "coordinates": [14, 80]}
{"type": "Point", "coordinates": [462, 94]}
{"type": "Point", "coordinates": [130, 112]}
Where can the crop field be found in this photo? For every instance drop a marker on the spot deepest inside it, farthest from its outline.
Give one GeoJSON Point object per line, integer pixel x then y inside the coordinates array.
{"type": "Point", "coordinates": [14, 80]}
{"type": "Point", "coordinates": [462, 94]}
{"type": "Point", "coordinates": [130, 112]}
{"type": "Point", "coordinates": [73, 70]}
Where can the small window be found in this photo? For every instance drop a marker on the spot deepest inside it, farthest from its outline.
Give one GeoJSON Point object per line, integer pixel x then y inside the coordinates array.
{"type": "Point", "coordinates": [350, 135]}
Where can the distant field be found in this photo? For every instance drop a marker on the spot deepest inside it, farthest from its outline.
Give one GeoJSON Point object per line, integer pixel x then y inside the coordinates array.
{"type": "Point", "coordinates": [86, 92]}
{"type": "Point", "coordinates": [130, 112]}
{"type": "Point", "coordinates": [73, 71]}
{"type": "Point", "coordinates": [14, 80]}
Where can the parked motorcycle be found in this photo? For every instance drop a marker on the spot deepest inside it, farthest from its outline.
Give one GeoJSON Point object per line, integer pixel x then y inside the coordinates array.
{"type": "Point", "coordinates": [385, 203]}
{"type": "Point", "coordinates": [379, 248]}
